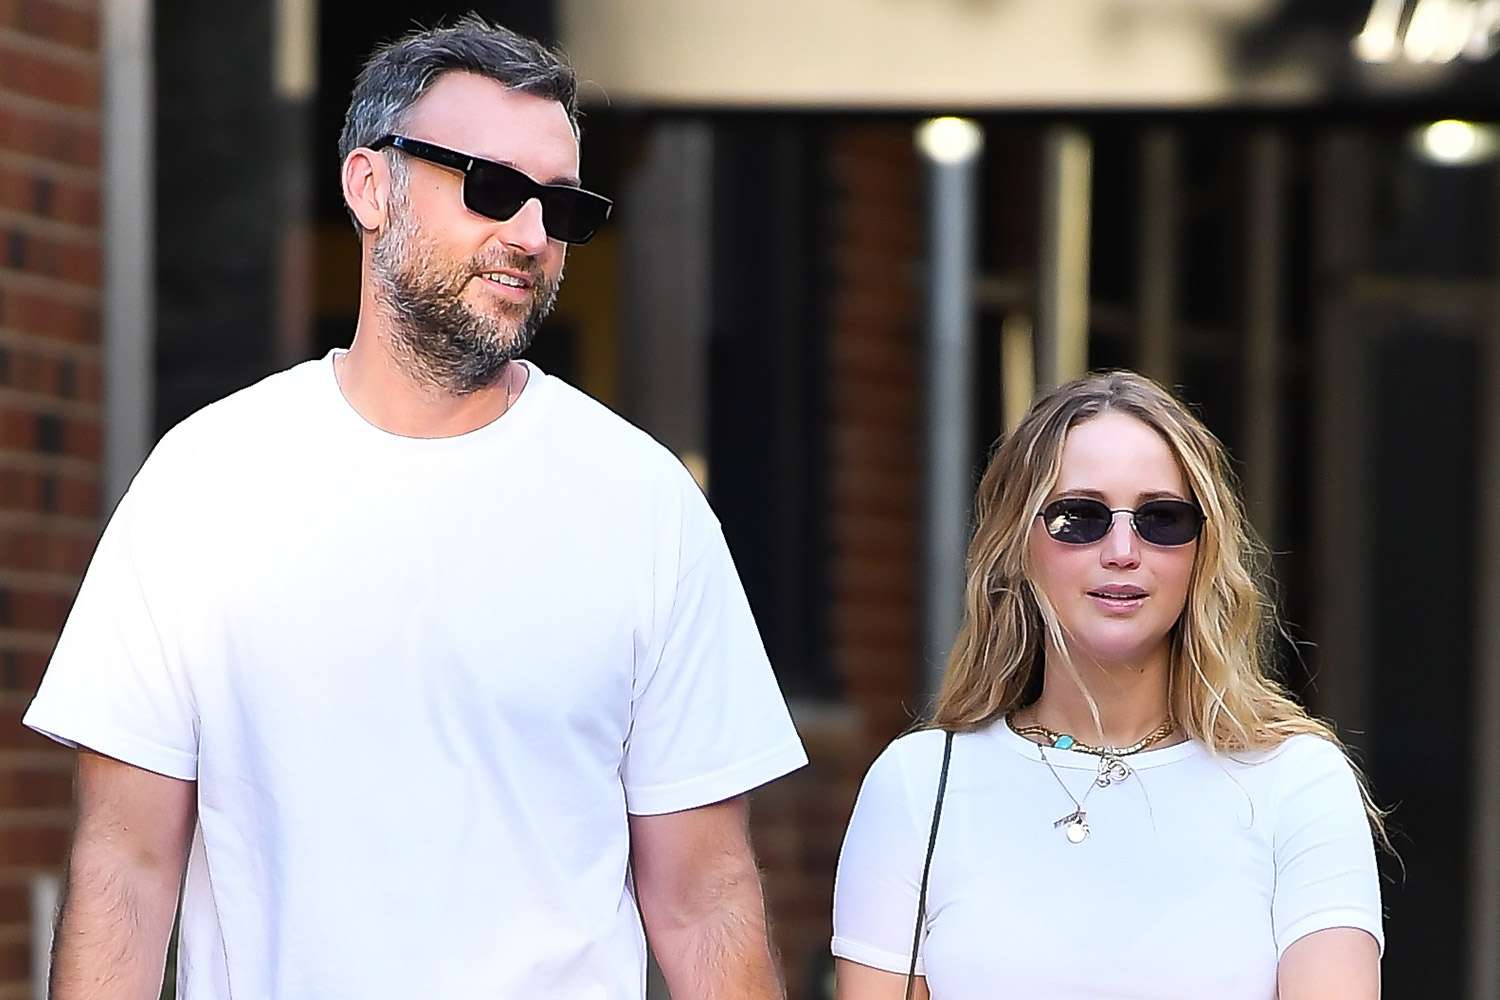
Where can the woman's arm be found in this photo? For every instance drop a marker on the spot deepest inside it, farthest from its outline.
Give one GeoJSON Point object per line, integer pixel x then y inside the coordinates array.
{"type": "Point", "coordinates": [875, 893]}
{"type": "Point", "coordinates": [860, 982]}
{"type": "Point", "coordinates": [1340, 963]}
{"type": "Point", "coordinates": [1326, 904]}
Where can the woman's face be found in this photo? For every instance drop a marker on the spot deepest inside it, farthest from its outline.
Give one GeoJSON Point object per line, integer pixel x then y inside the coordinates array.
{"type": "Point", "coordinates": [1117, 598]}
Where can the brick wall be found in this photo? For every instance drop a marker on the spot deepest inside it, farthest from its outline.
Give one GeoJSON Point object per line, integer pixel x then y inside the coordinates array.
{"type": "Point", "coordinates": [49, 413]}
{"type": "Point", "coordinates": [872, 509]}
{"type": "Point", "coordinates": [874, 393]}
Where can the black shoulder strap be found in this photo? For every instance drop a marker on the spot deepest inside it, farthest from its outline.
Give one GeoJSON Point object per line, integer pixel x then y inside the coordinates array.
{"type": "Point", "coordinates": [937, 814]}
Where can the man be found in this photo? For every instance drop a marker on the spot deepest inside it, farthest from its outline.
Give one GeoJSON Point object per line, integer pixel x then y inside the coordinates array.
{"type": "Point", "coordinates": [427, 668]}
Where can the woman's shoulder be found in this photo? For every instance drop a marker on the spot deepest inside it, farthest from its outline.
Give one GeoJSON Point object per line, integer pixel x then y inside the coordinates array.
{"type": "Point", "coordinates": [915, 758]}
{"type": "Point", "coordinates": [917, 751]}
{"type": "Point", "coordinates": [904, 774]}
{"type": "Point", "coordinates": [1298, 764]}
{"type": "Point", "coordinates": [1309, 748]}
{"type": "Point", "coordinates": [1297, 752]}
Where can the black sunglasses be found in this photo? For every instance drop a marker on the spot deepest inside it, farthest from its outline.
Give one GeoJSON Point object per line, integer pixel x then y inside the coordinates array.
{"type": "Point", "coordinates": [1083, 521]}
{"type": "Point", "coordinates": [498, 192]}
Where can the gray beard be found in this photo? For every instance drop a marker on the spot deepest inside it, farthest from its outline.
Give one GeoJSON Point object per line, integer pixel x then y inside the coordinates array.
{"type": "Point", "coordinates": [435, 337]}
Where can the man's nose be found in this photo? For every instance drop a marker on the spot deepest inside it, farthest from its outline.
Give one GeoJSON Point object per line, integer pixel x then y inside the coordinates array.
{"type": "Point", "coordinates": [524, 230]}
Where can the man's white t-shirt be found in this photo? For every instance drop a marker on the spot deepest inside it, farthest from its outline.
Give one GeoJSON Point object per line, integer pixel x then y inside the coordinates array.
{"type": "Point", "coordinates": [1199, 871]}
{"type": "Point", "coordinates": [420, 684]}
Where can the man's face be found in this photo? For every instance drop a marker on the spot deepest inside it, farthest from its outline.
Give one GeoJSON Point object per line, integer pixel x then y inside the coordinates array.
{"type": "Point", "coordinates": [467, 293]}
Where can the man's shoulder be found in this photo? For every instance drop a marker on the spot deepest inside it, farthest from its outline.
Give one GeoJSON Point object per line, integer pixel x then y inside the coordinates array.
{"type": "Point", "coordinates": [227, 425]}
{"type": "Point", "coordinates": [606, 436]}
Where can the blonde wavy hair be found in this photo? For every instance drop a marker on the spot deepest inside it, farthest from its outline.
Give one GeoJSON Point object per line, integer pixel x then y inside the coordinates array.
{"type": "Point", "coordinates": [1220, 687]}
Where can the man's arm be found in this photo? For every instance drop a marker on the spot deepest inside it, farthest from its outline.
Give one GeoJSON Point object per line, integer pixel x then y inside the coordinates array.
{"type": "Point", "coordinates": [124, 873]}
{"type": "Point", "coordinates": [700, 897]}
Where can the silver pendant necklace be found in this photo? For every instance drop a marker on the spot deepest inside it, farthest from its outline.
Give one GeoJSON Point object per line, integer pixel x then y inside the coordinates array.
{"type": "Point", "coordinates": [1075, 825]}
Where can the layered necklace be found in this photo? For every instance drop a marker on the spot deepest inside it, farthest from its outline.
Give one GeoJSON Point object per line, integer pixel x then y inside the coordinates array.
{"type": "Point", "coordinates": [1112, 768]}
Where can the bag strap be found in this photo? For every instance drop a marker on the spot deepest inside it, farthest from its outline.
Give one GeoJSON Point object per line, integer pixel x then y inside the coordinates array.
{"type": "Point", "coordinates": [937, 814]}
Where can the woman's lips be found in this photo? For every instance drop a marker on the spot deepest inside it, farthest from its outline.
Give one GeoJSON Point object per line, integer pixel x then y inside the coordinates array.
{"type": "Point", "coordinates": [1118, 598]}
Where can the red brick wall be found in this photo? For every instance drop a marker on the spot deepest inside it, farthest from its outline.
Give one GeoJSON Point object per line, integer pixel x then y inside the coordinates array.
{"type": "Point", "coordinates": [875, 388]}
{"type": "Point", "coordinates": [49, 413]}
{"type": "Point", "coordinates": [872, 510]}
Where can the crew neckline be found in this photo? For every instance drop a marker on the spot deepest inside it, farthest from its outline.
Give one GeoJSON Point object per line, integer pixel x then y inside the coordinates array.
{"type": "Point", "coordinates": [509, 426]}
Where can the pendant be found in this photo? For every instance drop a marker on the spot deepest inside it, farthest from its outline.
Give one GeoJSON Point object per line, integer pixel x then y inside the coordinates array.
{"type": "Point", "coordinates": [1075, 826]}
{"type": "Point", "coordinates": [1111, 769]}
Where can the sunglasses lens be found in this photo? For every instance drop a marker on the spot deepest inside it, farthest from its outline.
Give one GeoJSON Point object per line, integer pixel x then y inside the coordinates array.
{"type": "Point", "coordinates": [573, 216]}
{"type": "Point", "coordinates": [1168, 522]}
{"type": "Point", "coordinates": [497, 192]}
{"type": "Point", "coordinates": [568, 214]}
{"type": "Point", "coordinates": [1076, 520]}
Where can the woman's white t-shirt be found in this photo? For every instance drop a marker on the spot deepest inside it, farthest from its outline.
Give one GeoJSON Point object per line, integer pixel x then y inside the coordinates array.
{"type": "Point", "coordinates": [1198, 873]}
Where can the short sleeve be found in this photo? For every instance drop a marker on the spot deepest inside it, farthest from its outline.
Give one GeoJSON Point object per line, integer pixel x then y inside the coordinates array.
{"type": "Point", "coordinates": [1325, 855]}
{"type": "Point", "coordinates": [113, 684]}
{"type": "Point", "coordinates": [708, 721]}
{"type": "Point", "coordinates": [880, 866]}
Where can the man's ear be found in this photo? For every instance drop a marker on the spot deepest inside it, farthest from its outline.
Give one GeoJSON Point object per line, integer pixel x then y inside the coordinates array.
{"type": "Point", "coordinates": [367, 187]}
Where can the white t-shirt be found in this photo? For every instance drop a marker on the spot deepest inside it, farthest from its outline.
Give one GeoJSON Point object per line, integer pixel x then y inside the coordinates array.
{"type": "Point", "coordinates": [1198, 871]}
{"type": "Point", "coordinates": [420, 684]}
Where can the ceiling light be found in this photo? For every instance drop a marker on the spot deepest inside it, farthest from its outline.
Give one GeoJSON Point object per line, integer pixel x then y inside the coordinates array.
{"type": "Point", "coordinates": [1454, 143]}
{"type": "Point", "coordinates": [950, 140]}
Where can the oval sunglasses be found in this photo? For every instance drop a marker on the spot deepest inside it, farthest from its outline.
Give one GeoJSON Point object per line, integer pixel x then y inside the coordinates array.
{"type": "Point", "coordinates": [498, 191]}
{"type": "Point", "coordinates": [1083, 520]}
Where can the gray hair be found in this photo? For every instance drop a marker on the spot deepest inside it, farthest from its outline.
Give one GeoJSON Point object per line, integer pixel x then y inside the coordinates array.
{"type": "Point", "coordinates": [398, 73]}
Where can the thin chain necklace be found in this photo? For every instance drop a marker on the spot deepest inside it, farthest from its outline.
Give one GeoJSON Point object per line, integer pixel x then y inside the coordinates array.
{"type": "Point", "coordinates": [1075, 825]}
{"type": "Point", "coordinates": [509, 385]}
{"type": "Point", "coordinates": [339, 361]}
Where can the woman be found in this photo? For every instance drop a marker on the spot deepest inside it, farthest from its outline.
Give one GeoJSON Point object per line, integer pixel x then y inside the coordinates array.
{"type": "Point", "coordinates": [1133, 807]}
